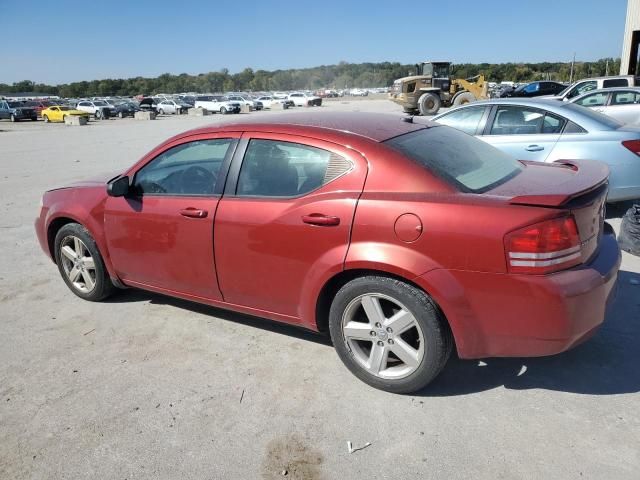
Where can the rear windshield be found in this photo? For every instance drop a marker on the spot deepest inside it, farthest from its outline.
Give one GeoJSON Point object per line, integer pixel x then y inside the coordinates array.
{"type": "Point", "coordinates": [464, 161]}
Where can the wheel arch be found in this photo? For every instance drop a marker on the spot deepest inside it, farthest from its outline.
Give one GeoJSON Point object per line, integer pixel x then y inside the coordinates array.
{"type": "Point", "coordinates": [336, 282]}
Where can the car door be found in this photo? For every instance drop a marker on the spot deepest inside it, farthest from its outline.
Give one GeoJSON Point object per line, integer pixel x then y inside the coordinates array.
{"type": "Point", "coordinates": [4, 110]}
{"type": "Point", "coordinates": [285, 218]}
{"type": "Point", "coordinates": [624, 105]}
{"type": "Point", "coordinates": [526, 133]}
{"type": "Point", "coordinates": [160, 236]}
{"type": "Point", "coordinates": [54, 114]}
{"type": "Point", "coordinates": [580, 88]}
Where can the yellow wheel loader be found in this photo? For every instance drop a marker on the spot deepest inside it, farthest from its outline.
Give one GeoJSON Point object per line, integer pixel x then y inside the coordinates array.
{"type": "Point", "coordinates": [433, 87]}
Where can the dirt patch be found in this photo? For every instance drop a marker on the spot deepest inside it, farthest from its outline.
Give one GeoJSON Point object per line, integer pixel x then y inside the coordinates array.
{"type": "Point", "coordinates": [292, 455]}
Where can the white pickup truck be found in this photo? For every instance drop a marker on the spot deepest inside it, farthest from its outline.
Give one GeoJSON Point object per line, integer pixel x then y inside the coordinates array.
{"type": "Point", "coordinates": [216, 103]}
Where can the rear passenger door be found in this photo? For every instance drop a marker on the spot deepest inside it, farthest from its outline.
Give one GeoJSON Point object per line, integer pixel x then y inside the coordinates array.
{"type": "Point", "coordinates": [524, 132]}
{"type": "Point", "coordinates": [285, 217]}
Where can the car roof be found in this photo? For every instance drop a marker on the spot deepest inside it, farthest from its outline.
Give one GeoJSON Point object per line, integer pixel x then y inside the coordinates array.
{"type": "Point", "coordinates": [376, 127]}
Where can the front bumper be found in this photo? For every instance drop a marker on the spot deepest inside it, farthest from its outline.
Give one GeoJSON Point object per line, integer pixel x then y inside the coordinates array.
{"type": "Point", "coordinates": [508, 315]}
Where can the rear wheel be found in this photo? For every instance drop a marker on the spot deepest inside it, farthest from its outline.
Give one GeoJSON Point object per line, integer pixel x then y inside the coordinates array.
{"type": "Point", "coordinates": [14, 118]}
{"type": "Point", "coordinates": [45, 118]}
{"type": "Point", "coordinates": [389, 334]}
{"type": "Point", "coordinates": [160, 112]}
{"type": "Point", "coordinates": [121, 114]}
{"type": "Point", "coordinates": [64, 118]}
{"type": "Point", "coordinates": [463, 98]}
{"type": "Point", "coordinates": [223, 111]}
{"type": "Point", "coordinates": [429, 103]}
{"type": "Point", "coordinates": [80, 263]}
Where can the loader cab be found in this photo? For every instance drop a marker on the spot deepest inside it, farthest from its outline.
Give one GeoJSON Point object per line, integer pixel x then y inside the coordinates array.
{"type": "Point", "coordinates": [437, 74]}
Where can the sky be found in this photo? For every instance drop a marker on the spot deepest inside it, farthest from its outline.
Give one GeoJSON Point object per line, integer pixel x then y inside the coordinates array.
{"type": "Point", "coordinates": [64, 41]}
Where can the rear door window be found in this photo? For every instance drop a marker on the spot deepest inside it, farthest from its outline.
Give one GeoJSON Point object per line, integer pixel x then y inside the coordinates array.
{"type": "Point", "coordinates": [469, 164]}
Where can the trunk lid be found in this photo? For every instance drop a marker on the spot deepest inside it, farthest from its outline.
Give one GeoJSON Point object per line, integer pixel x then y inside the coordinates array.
{"type": "Point", "coordinates": [578, 188]}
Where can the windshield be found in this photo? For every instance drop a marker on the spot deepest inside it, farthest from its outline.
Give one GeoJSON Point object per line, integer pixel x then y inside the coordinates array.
{"type": "Point", "coordinates": [64, 109]}
{"type": "Point", "coordinates": [100, 104]}
{"type": "Point", "coordinates": [15, 104]}
{"type": "Point", "coordinates": [469, 164]}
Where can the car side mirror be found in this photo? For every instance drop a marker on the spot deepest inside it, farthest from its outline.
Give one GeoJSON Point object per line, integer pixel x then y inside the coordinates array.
{"type": "Point", "coordinates": [118, 187]}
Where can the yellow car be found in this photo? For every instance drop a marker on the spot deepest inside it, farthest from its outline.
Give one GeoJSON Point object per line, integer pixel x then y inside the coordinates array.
{"type": "Point", "coordinates": [57, 113]}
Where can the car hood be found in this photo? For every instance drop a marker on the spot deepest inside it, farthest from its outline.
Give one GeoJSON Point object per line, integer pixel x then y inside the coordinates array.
{"type": "Point", "coordinates": [97, 181]}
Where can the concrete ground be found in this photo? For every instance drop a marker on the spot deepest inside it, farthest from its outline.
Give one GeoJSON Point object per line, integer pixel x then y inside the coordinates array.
{"type": "Point", "coordinates": [148, 387]}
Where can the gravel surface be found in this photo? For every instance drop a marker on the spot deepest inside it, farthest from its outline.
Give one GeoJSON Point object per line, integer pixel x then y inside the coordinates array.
{"type": "Point", "coordinates": [148, 387]}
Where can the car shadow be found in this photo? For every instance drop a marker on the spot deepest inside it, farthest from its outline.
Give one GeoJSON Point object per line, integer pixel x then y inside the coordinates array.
{"type": "Point", "coordinates": [607, 364]}
{"type": "Point", "coordinates": [134, 295]}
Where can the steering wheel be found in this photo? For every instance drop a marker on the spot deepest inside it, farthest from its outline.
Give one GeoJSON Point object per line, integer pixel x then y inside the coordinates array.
{"type": "Point", "coordinates": [197, 180]}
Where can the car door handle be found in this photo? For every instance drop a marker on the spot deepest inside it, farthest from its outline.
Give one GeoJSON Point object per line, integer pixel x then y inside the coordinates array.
{"type": "Point", "coordinates": [321, 220]}
{"type": "Point", "coordinates": [534, 148]}
{"type": "Point", "coordinates": [193, 213]}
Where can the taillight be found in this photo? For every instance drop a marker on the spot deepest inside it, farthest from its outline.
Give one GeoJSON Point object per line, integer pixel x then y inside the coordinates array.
{"type": "Point", "coordinates": [633, 145]}
{"type": "Point", "coordinates": [544, 247]}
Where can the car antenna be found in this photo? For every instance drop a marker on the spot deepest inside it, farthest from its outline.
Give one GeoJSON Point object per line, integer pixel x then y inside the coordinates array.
{"type": "Point", "coordinates": [408, 119]}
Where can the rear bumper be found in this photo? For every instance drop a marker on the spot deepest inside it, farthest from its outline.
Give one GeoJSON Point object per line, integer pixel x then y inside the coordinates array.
{"type": "Point", "coordinates": [505, 315]}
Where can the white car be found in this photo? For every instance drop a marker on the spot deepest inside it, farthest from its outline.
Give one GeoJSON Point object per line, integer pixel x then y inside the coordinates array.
{"type": "Point", "coordinates": [96, 107]}
{"type": "Point", "coordinates": [280, 95]}
{"type": "Point", "coordinates": [217, 103]}
{"type": "Point", "coordinates": [358, 92]}
{"type": "Point", "coordinates": [620, 103]}
{"type": "Point", "coordinates": [242, 100]}
{"type": "Point", "coordinates": [267, 101]}
{"type": "Point", "coordinates": [302, 99]}
{"type": "Point", "coordinates": [171, 107]}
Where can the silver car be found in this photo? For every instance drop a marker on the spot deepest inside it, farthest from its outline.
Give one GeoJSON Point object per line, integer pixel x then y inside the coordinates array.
{"type": "Point", "coordinates": [622, 103]}
{"type": "Point", "coordinates": [549, 131]}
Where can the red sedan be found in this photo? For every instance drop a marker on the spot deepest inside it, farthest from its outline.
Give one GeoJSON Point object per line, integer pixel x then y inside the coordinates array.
{"type": "Point", "coordinates": [403, 240]}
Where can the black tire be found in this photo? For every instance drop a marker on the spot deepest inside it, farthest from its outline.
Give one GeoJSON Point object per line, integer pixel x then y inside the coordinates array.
{"type": "Point", "coordinates": [121, 114]}
{"type": "Point", "coordinates": [45, 118]}
{"type": "Point", "coordinates": [436, 335]}
{"type": "Point", "coordinates": [34, 119]}
{"type": "Point", "coordinates": [160, 112]}
{"type": "Point", "coordinates": [429, 103]}
{"type": "Point", "coordinates": [103, 286]}
{"type": "Point", "coordinates": [463, 98]}
{"type": "Point", "coordinates": [223, 110]}
{"type": "Point", "coordinates": [13, 118]}
{"type": "Point", "coordinates": [64, 118]}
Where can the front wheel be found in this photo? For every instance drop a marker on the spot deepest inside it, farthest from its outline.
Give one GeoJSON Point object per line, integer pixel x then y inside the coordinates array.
{"type": "Point", "coordinates": [14, 118]}
{"type": "Point", "coordinates": [121, 114]}
{"type": "Point", "coordinates": [64, 118]}
{"type": "Point", "coordinates": [463, 98]}
{"type": "Point", "coordinates": [223, 111]}
{"type": "Point", "coordinates": [429, 103]}
{"type": "Point", "coordinates": [160, 112]}
{"type": "Point", "coordinates": [389, 334]}
{"type": "Point", "coordinates": [80, 263]}
{"type": "Point", "coordinates": [45, 118]}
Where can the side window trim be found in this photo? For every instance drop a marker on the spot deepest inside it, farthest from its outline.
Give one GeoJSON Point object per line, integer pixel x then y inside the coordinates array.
{"type": "Point", "coordinates": [221, 178]}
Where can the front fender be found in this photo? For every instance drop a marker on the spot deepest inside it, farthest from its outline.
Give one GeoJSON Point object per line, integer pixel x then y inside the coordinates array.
{"type": "Point", "coordinates": [86, 207]}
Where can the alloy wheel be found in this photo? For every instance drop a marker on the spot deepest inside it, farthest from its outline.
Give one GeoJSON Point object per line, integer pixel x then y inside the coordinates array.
{"type": "Point", "coordinates": [78, 264]}
{"type": "Point", "coordinates": [383, 336]}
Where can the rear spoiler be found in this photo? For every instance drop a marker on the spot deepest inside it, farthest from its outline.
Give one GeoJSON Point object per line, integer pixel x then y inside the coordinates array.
{"type": "Point", "coordinates": [588, 176]}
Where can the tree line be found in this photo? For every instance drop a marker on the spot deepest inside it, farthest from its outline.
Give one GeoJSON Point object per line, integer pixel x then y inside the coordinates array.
{"type": "Point", "coordinates": [341, 76]}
